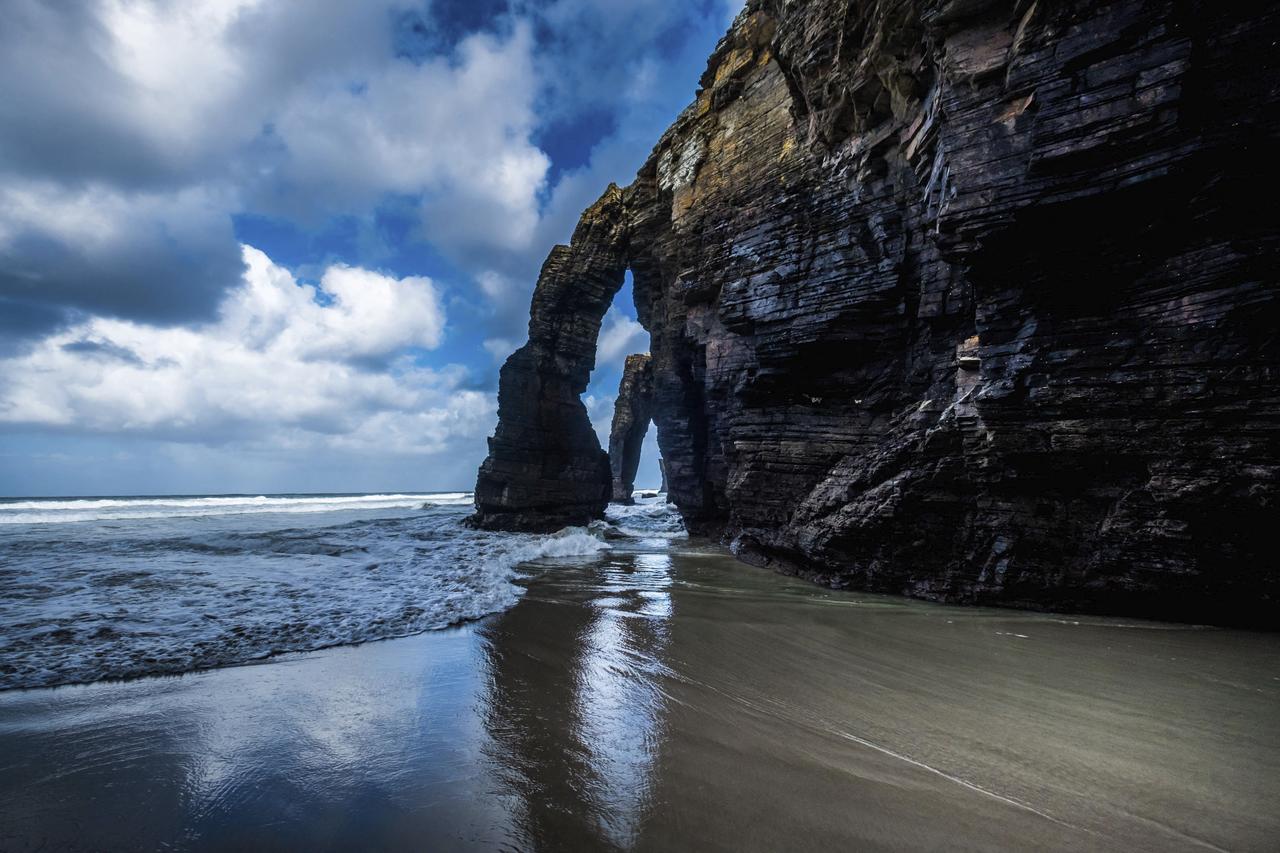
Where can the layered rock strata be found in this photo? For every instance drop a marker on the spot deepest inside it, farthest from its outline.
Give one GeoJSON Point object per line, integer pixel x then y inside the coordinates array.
{"type": "Point", "coordinates": [974, 301]}
{"type": "Point", "coordinates": [545, 468]}
{"type": "Point", "coordinates": [632, 412]}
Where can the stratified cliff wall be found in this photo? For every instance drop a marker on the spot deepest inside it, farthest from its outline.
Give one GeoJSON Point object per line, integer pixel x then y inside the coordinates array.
{"type": "Point", "coordinates": [969, 300]}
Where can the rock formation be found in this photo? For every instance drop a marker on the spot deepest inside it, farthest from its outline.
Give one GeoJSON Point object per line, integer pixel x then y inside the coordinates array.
{"type": "Point", "coordinates": [546, 468]}
{"type": "Point", "coordinates": [964, 299]}
{"type": "Point", "coordinates": [632, 413]}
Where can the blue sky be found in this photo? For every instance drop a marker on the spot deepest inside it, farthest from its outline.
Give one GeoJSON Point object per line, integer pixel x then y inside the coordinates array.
{"type": "Point", "coordinates": [251, 246]}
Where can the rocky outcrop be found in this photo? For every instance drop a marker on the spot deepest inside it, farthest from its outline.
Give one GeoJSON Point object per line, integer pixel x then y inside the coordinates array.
{"type": "Point", "coordinates": [632, 413]}
{"type": "Point", "coordinates": [545, 467]}
{"type": "Point", "coordinates": [968, 300]}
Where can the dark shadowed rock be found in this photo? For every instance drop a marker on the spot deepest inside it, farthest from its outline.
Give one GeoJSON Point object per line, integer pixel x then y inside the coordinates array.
{"type": "Point", "coordinates": [632, 413]}
{"type": "Point", "coordinates": [971, 301]}
{"type": "Point", "coordinates": [546, 468]}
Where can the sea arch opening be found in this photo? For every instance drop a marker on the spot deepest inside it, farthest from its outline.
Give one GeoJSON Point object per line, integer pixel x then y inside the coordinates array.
{"type": "Point", "coordinates": [546, 466]}
{"type": "Point", "coordinates": [620, 397]}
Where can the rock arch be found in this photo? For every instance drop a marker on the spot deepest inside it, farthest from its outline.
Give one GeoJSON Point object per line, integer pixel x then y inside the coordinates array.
{"type": "Point", "coordinates": [545, 467]}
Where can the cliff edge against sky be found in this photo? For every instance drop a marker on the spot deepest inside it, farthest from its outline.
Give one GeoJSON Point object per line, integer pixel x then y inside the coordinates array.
{"type": "Point", "coordinates": [973, 301]}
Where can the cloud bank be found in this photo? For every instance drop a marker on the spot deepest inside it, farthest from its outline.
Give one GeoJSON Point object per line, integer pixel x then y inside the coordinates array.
{"type": "Point", "coordinates": [284, 364]}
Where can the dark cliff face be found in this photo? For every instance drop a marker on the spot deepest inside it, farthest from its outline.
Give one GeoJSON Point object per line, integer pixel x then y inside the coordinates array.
{"type": "Point", "coordinates": [631, 416]}
{"type": "Point", "coordinates": [971, 301]}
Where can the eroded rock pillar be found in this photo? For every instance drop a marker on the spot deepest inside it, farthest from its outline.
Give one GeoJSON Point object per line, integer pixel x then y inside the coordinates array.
{"type": "Point", "coordinates": [631, 416]}
{"type": "Point", "coordinates": [545, 468]}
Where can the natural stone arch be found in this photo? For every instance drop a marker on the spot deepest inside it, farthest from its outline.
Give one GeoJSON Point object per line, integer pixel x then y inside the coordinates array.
{"type": "Point", "coordinates": [545, 467]}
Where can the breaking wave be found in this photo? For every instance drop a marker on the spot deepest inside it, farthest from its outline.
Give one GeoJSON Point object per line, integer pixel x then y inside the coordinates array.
{"type": "Point", "coordinates": [55, 511]}
{"type": "Point", "coordinates": [122, 587]}
{"type": "Point", "coordinates": [649, 518]}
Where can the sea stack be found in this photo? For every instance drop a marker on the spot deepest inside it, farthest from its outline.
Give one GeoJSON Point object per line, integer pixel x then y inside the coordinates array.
{"type": "Point", "coordinates": [960, 300]}
{"type": "Point", "coordinates": [631, 415]}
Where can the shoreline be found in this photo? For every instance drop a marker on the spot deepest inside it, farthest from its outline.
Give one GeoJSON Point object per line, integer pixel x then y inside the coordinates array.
{"type": "Point", "coordinates": [1065, 617]}
{"type": "Point", "coordinates": [665, 696]}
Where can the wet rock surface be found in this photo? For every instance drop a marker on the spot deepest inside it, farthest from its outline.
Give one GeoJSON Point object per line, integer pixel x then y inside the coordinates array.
{"type": "Point", "coordinates": [632, 413]}
{"type": "Point", "coordinates": [971, 301]}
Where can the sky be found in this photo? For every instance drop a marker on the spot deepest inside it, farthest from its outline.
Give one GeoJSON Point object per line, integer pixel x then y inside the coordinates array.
{"type": "Point", "coordinates": [256, 246]}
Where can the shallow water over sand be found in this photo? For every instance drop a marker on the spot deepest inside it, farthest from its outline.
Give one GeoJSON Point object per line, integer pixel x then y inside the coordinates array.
{"type": "Point", "coordinates": [662, 696]}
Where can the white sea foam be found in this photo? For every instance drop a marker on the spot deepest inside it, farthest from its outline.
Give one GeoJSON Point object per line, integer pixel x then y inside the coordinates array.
{"type": "Point", "coordinates": [648, 518]}
{"type": "Point", "coordinates": [204, 582]}
{"type": "Point", "coordinates": [59, 511]}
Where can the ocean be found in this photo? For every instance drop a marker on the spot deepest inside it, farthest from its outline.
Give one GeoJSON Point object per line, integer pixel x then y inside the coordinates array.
{"type": "Point", "coordinates": [120, 587]}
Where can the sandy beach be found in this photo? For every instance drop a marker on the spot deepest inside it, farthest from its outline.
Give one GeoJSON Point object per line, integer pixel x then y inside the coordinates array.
{"type": "Point", "coordinates": [667, 697]}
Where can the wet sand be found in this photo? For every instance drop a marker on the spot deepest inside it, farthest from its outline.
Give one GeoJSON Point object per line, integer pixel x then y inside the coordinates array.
{"type": "Point", "coordinates": [661, 699]}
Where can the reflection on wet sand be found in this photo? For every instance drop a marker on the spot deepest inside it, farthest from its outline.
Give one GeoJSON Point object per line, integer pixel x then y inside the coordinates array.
{"type": "Point", "coordinates": [335, 750]}
{"type": "Point", "coordinates": [576, 716]}
{"type": "Point", "coordinates": [682, 701]}
{"type": "Point", "coordinates": [663, 697]}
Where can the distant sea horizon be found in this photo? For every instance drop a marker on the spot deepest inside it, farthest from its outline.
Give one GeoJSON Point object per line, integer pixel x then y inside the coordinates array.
{"type": "Point", "coordinates": [247, 494]}
{"type": "Point", "coordinates": [251, 493]}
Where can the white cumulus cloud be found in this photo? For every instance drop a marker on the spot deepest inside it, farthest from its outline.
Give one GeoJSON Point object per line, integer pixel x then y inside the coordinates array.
{"type": "Point", "coordinates": [146, 124]}
{"type": "Point", "coordinates": [280, 365]}
{"type": "Point", "coordinates": [454, 128]}
{"type": "Point", "coordinates": [620, 336]}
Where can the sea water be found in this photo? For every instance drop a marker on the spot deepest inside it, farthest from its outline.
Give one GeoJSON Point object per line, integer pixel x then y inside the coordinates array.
{"type": "Point", "coordinates": [119, 587]}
